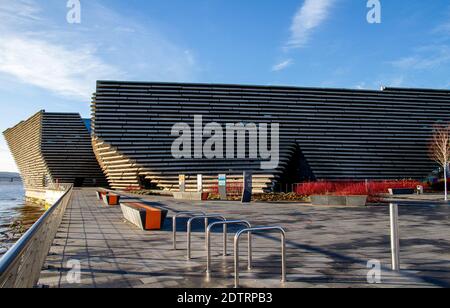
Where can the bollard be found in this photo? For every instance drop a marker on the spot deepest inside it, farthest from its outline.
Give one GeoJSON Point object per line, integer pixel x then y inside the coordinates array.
{"type": "Point", "coordinates": [395, 238]}
{"type": "Point", "coordinates": [259, 230]}
{"type": "Point", "coordinates": [248, 187]}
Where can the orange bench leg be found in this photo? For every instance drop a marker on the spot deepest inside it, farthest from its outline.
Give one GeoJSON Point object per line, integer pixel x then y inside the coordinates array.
{"type": "Point", "coordinates": [113, 200]}
{"type": "Point", "coordinates": [153, 220]}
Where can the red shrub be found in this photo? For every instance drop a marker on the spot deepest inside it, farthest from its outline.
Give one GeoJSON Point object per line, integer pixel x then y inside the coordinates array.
{"type": "Point", "coordinates": [346, 188]}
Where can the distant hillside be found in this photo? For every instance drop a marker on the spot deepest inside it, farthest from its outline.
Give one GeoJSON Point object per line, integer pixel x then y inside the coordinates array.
{"type": "Point", "coordinates": [9, 175]}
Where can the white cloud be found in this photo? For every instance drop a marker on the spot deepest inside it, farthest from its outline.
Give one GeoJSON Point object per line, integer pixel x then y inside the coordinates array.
{"type": "Point", "coordinates": [70, 73]}
{"type": "Point", "coordinates": [30, 57]}
{"type": "Point", "coordinates": [67, 60]}
{"type": "Point", "coordinates": [282, 65]}
{"type": "Point", "coordinates": [425, 58]}
{"type": "Point", "coordinates": [140, 49]}
{"type": "Point", "coordinates": [444, 28]}
{"type": "Point", "coordinates": [309, 16]}
{"type": "Point", "coordinates": [18, 11]}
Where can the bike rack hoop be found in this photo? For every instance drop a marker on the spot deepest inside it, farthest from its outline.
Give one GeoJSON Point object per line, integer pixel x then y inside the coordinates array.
{"type": "Point", "coordinates": [225, 225]}
{"type": "Point", "coordinates": [259, 230]}
{"type": "Point", "coordinates": [174, 223]}
{"type": "Point", "coordinates": [189, 228]}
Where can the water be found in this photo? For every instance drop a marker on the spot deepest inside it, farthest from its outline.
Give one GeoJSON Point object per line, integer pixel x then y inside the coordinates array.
{"type": "Point", "coordinates": [16, 217]}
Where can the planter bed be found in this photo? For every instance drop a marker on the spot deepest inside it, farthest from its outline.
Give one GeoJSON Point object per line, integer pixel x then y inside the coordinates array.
{"type": "Point", "coordinates": [191, 196]}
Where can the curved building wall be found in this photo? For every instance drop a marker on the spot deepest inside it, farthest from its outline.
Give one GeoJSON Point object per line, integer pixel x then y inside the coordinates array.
{"type": "Point", "coordinates": [24, 141]}
{"type": "Point", "coordinates": [324, 133]}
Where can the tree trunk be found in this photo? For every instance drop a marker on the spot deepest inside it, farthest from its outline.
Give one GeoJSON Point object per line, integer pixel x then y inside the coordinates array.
{"type": "Point", "coordinates": [445, 182]}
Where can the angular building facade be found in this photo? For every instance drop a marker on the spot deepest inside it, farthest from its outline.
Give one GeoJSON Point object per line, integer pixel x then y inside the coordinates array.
{"type": "Point", "coordinates": [324, 133]}
{"type": "Point", "coordinates": [52, 148]}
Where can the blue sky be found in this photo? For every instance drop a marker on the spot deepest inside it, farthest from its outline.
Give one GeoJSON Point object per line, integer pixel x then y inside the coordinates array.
{"type": "Point", "coordinates": [47, 63]}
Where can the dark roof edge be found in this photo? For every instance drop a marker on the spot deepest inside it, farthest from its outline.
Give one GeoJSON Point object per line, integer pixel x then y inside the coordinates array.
{"type": "Point", "coordinates": [383, 89]}
{"type": "Point", "coordinates": [415, 89]}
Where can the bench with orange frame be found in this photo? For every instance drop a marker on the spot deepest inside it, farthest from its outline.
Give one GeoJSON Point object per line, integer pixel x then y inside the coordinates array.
{"type": "Point", "coordinates": [111, 199]}
{"type": "Point", "coordinates": [144, 216]}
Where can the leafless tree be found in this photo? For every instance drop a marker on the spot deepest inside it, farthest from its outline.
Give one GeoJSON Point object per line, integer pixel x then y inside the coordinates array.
{"type": "Point", "coordinates": [440, 150]}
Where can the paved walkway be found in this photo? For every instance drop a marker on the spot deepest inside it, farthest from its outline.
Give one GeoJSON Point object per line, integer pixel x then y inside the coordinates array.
{"type": "Point", "coordinates": [327, 247]}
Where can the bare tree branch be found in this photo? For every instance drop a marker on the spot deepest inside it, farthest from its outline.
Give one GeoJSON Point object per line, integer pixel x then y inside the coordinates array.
{"type": "Point", "coordinates": [439, 149]}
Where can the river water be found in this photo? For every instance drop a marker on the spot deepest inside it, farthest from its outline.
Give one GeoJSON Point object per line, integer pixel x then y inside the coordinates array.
{"type": "Point", "coordinates": [16, 216]}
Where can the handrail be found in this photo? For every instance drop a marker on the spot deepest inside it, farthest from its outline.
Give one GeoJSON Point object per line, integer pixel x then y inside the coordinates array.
{"type": "Point", "coordinates": [21, 266]}
{"type": "Point", "coordinates": [225, 232]}
{"type": "Point", "coordinates": [189, 229]}
{"type": "Point", "coordinates": [255, 230]}
{"type": "Point", "coordinates": [174, 223]}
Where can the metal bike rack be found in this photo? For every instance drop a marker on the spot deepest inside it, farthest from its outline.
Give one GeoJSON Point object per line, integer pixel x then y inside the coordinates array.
{"type": "Point", "coordinates": [183, 214]}
{"type": "Point", "coordinates": [259, 230]}
{"type": "Point", "coordinates": [225, 225]}
{"type": "Point", "coordinates": [189, 229]}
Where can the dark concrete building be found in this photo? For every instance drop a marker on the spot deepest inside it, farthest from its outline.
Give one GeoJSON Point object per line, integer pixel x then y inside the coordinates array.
{"type": "Point", "coordinates": [324, 133]}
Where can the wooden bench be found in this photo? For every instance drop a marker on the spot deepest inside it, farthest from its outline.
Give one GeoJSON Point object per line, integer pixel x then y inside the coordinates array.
{"type": "Point", "coordinates": [111, 199]}
{"type": "Point", "coordinates": [144, 216]}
